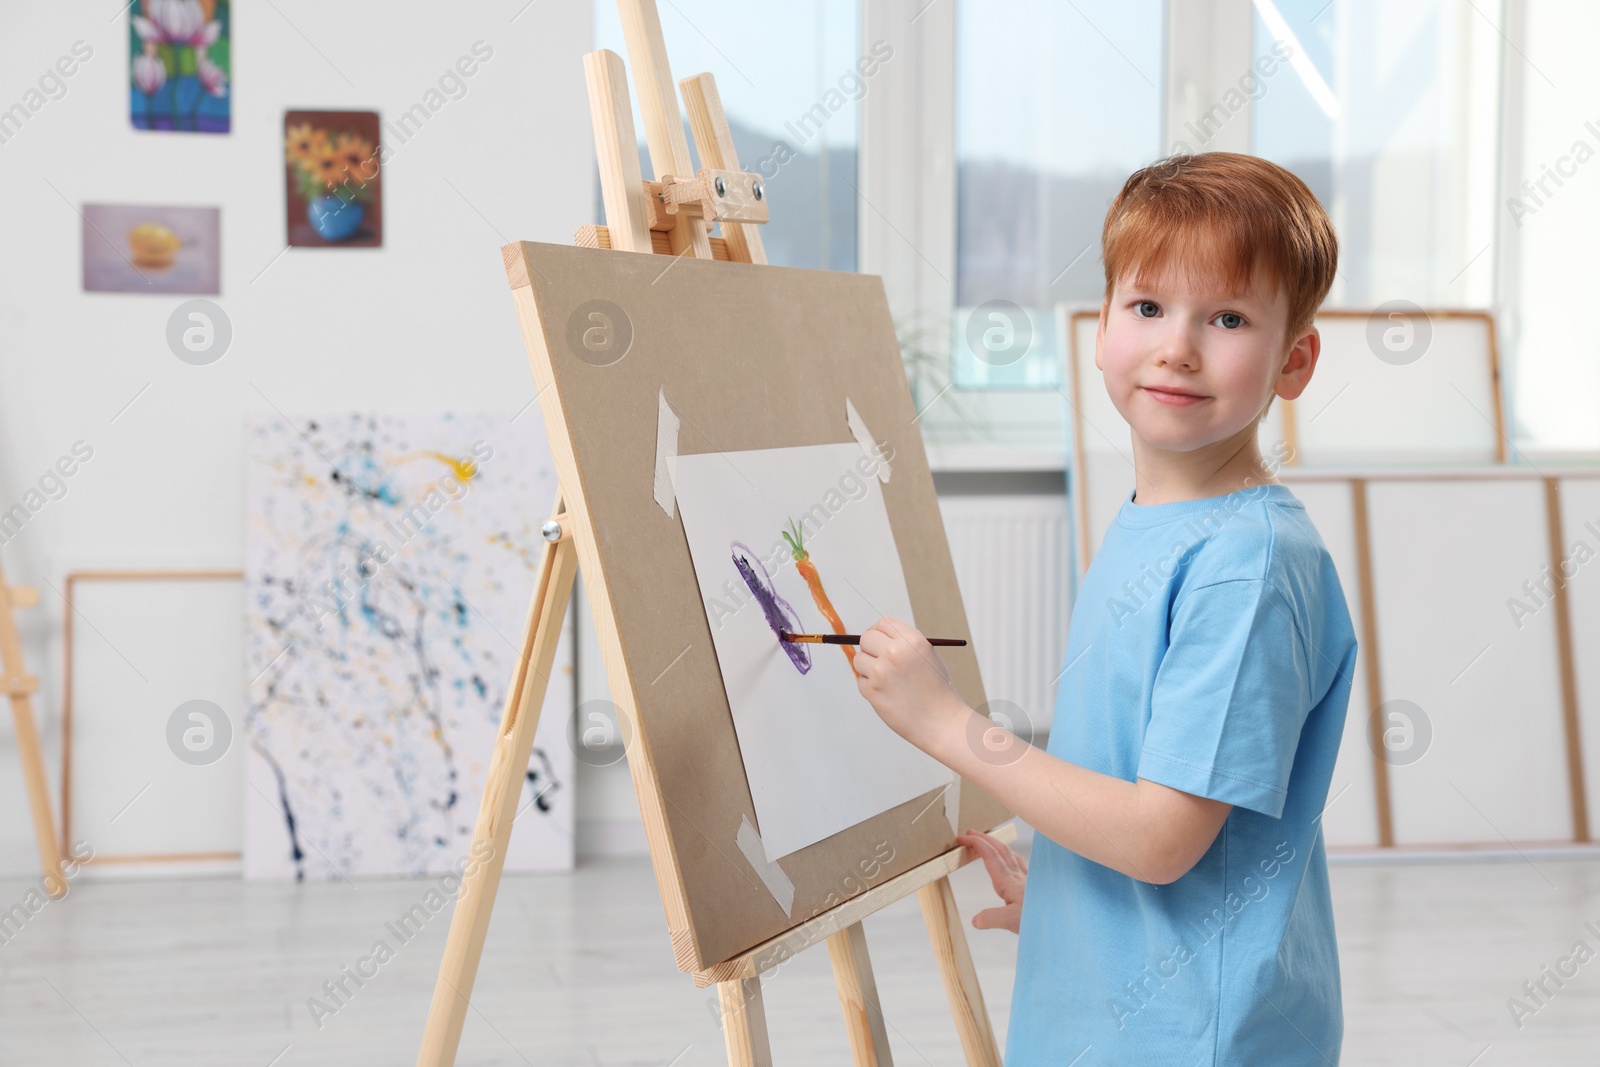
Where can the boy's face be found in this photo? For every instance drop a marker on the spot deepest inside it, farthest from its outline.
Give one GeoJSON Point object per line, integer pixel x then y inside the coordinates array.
{"type": "Point", "coordinates": [1190, 366]}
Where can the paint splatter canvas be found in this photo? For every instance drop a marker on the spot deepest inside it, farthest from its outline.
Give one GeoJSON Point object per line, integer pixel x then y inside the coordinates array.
{"type": "Point", "coordinates": [799, 539]}
{"type": "Point", "coordinates": [389, 564]}
{"type": "Point", "coordinates": [180, 66]}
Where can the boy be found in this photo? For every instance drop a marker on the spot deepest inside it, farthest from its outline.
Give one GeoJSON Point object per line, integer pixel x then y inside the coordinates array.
{"type": "Point", "coordinates": [1177, 910]}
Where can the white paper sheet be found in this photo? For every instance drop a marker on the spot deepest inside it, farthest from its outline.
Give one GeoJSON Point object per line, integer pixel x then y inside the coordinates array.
{"type": "Point", "coordinates": [819, 759]}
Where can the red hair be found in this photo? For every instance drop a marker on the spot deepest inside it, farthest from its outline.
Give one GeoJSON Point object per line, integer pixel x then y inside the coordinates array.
{"type": "Point", "coordinates": [1221, 216]}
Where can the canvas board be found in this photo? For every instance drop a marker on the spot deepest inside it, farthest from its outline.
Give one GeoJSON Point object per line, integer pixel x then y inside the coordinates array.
{"type": "Point", "coordinates": [747, 357]}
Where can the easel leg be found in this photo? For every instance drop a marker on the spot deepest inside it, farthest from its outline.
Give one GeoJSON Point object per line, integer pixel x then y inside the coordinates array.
{"type": "Point", "coordinates": [44, 830]}
{"type": "Point", "coordinates": [18, 684]}
{"type": "Point", "coordinates": [858, 996]}
{"type": "Point", "coordinates": [744, 1023]}
{"type": "Point", "coordinates": [508, 769]}
{"type": "Point", "coordinates": [960, 978]}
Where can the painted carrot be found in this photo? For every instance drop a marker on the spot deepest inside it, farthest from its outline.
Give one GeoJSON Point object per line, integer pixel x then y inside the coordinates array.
{"type": "Point", "coordinates": [808, 570]}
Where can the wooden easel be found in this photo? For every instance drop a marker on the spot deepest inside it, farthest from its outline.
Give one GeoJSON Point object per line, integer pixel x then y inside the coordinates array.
{"type": "Point", "coordinates": [20, 687]}
{"type": "Point", "coordinates": [671, 216]}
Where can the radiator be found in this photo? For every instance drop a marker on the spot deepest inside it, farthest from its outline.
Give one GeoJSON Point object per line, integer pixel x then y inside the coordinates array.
{"type": "Point", "coordinates": [1012, 560]}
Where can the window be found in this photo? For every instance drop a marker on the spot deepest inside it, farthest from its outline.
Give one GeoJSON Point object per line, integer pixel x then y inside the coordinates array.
{"type": "Point", "coordinates": [1387, 111]}
{"type": "Point", "coordinates": [1005, 128]}
{"type": "Point", "coordinates": [788, 76]}
{"type": "Point", "coordinates": [1055, 105]}
{"type": "Point", "coordinates": [1550, 219]}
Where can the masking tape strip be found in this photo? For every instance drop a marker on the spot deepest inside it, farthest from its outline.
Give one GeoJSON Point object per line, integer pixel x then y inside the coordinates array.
{"type": "Point", "coordinates": [772, 875]}
{"type": "Point", "coordinates": [666, 451]}
{"type": "Point", "coordinates": [865, 439]}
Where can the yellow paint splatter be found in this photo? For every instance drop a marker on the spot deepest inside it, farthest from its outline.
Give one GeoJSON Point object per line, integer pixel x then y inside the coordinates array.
{"type": "Point", "coordinates": [464, 469]}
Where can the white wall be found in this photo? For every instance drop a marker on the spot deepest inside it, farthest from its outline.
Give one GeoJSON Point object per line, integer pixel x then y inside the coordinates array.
{"type": "Point", "coordinates": [424, 323]}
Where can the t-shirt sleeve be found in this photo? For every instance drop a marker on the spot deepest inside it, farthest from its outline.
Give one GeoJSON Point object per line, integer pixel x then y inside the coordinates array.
{"type": "Point", "coordinates": [1230, 697]}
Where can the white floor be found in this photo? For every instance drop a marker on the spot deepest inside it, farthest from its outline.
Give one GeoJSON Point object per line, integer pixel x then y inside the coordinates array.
{"type": "Point", "coordinates": [577, 971]}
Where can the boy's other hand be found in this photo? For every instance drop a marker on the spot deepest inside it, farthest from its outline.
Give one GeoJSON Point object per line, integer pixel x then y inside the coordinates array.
{"type": "Point", "coordinates": [1009, 873]}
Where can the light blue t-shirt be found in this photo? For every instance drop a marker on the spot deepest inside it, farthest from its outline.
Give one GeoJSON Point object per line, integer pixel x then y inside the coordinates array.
{"type": "Point", "coordinates": [1211, 651]}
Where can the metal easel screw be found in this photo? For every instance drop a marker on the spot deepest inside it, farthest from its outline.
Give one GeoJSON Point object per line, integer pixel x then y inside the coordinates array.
{"type": "Point", "coordinates": [756, 188]}
{"type": "Point", "coordinates": [721, 187]}
{"type": "Point", "coordinates": [551, 530]}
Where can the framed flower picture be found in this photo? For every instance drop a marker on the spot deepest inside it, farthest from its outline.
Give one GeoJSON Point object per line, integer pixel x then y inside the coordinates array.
{"type": "Point", "coordinates": [180, 65]}
{"type": "Point", "coordinates": [333, 191]}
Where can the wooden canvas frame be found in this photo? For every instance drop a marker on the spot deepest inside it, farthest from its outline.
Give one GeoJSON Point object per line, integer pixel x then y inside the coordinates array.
{"type": "Point", "coordinates": [118, 575]}
{"type": "Point", "coordinates": [1485, 322]}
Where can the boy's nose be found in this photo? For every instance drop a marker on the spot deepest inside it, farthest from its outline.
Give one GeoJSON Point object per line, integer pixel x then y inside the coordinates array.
{"type": "Point", "coordinates": [1178, 350]}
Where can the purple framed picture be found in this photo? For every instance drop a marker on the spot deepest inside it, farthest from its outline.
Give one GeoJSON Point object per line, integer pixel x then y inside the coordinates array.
{"type": "Point", "coordinates": [149, 248]}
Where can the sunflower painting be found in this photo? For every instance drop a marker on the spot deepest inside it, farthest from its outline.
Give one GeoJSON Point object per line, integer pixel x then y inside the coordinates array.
{"type": "Point", "coordinates": [333, 191]}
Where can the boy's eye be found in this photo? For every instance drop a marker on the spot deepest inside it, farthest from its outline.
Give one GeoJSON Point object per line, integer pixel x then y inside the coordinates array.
{"type": "Point", "coordinates": [1231, 320]}
{"type": "Point", "coordinates": [1146, 309]}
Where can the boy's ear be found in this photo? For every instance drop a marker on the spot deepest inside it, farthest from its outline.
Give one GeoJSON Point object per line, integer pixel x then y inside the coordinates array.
{"type": "Point", "coordinates": [1100, 336]}
{"type": "Point", "coordinates": [1301, 359]}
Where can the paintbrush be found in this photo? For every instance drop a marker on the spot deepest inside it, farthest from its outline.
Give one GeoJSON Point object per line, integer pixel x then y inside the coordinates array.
{"type": "Point", "coordinates": [855, 639]}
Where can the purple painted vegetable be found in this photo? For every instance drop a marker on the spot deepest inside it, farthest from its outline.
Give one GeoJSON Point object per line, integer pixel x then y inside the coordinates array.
{"type": "Point", "coordinates": [780, 616]}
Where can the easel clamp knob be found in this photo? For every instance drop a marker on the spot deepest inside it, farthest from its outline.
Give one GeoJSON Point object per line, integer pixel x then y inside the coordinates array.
{"type": "Point", "coordinates": [555, 529]}
{"type": "Point", "coordinates": [19, 684]}
{"type": "Point", "coordinates": [714, 195]}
